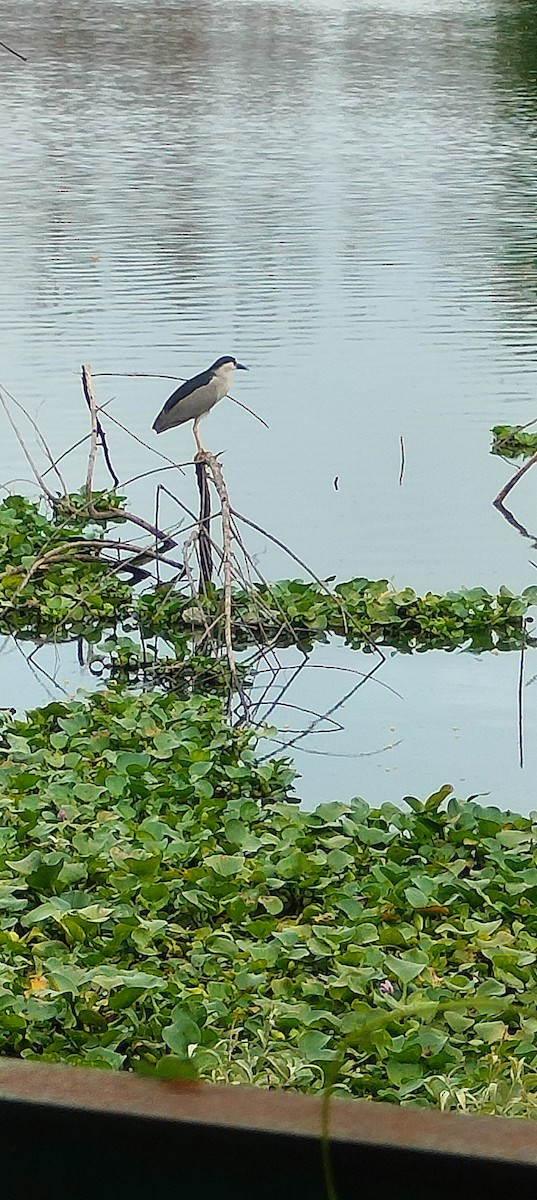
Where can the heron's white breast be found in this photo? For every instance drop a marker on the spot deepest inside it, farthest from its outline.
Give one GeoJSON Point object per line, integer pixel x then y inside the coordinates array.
{"type": "Point", "coordinates": [222, 379]}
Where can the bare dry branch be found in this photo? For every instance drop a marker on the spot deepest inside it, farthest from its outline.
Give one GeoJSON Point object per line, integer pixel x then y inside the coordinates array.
{"type": "Point", "coordinates": [508, 487]}
{"type": "Point", "coordinates": [248, 410]}
{"type": "Point", "coordinates": [204, 526]}
{"type": "Point", "coordinates": [90, 401]}
{"type": "Point", "coordinates": [141, 442]}
{"type": "Point", "coordinates": [520, 705]}
{"type": "Point", "coordinates": [219, 483]}
{"type": "Point", "coordinates": [97, 434]}
{"type": "Point", "coordinates": [40, 437]}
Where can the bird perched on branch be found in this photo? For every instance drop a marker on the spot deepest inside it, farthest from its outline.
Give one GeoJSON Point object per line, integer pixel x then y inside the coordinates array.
{"type": "Point", "coordinates": [195, 397]}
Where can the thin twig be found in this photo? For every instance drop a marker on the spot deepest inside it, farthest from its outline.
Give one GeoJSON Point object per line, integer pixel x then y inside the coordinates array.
{"type": "Point", "coordinates": [508, 487]}
{"type": "Point", "coordinates": [329, 753]}
{"type": "Point", "coordinates": [59, 459]}
{"type": "Point", "coordinates": [90, 401]}
{"type": "Point", "coordinates": [116, 514]}
{"type": "Point", "coordinates": [249, 410]}
{"type": "Point", "coordinates": [26, 452]}
{"type": "Point", "coordinates": [521, 700]}
{"type": "Point", "coordinates": [32, 660]}
{"type": "Point", "coordinates": [157, 519]}
{"type": "Point", "coordinates": [204, 536]}
{"type": "Point", "coordinates": [40, 437]}
{"type": "Point", "coordinates": [97, 432]}
{"type": "Point", "coordinates": [329, 712]}
{"type": "Point", "coordinates": [141, 442]}
{"type": "Point", "coordinates": [402, 471]}
{"type": "Point", "coordinates": [135, 375]}
{"type": "Point", "coordinates": [154, 471]}
{"type": "Point", "coordinates": [15, 52]}
{"type": "Point", "coordinates": [190, 513]}
{"type": "Point", "coordinates": [35, 667]}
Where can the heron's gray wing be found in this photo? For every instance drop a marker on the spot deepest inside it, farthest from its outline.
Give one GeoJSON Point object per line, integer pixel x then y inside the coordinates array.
{"type": "Point", "coordinates": [173, 413]}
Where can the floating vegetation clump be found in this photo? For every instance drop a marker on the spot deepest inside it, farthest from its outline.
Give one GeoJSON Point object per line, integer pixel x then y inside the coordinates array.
{"type": "Point", "coordinates": [62, 576]}
{"type": "Point", "coordinates": [512, 442]}
{"type": "Point", "coordinates": [163, 908]}
{"type": "Point", "coordinates": [58, 580]}
{"type": "Point", "coordinates": [364, 612]}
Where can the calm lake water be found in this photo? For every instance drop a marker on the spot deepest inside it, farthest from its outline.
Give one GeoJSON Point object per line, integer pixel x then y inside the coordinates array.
{"type": "Point", "coordinates": [343, 195]}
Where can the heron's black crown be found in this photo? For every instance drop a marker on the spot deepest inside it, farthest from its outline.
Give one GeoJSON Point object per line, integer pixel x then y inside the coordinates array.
{"type": "Point", "coordinates": [221, 362]}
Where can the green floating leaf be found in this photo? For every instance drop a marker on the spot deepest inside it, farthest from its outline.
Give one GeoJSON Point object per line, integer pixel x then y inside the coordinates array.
{"type": "Point", "coordinates": [491, 1031]}
{"type": "Point", "coordinates": [182, 1033]}
{"type": "Point", "coordinates": [404, 969]}
{"type": "Point", "coordinates": [416, 898]}
{"type": "Point", "coordinates": [225, 864]}
{"type": "Point", "coordinates": [313, 1046]}
{"type": "Point", "coordinates": [365, 933]}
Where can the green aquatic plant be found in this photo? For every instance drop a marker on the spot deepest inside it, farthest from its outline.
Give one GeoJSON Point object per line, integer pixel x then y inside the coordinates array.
{"type": "Point", "coordinates": [163, 907]}
{"type": "Point", "coordinates": [362, 611]}
{"type": "Point", "coordinates": [512, 442]}
{"type": "Point", "coordinates": [55, 581]}
{"type": "Point", "coordinates": [63, 575]}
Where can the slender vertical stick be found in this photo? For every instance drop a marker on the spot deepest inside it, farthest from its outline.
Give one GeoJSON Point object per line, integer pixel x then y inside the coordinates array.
{"type": "Point", "coordinates": [90, 401]}
{"type": "Point", "coordinates": [98, 435]}
{"type": "Point", "coordinates": [521, 699]}
{"type": "Point", "coordinates": [219, 483]}
{"type": "Point", "coordinates": [204, 527]}
{"type": "Point", "coordinates": [402, 449]}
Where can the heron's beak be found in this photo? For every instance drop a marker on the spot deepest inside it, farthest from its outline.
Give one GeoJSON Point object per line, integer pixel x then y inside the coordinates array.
{"type": "Point", "coordinates": [239, 367]}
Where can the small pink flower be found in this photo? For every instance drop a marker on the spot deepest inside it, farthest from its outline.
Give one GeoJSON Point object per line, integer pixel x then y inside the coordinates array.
{"type": "Point", "coordinates": [62, 815]}
{"type": "Point", "coordinates": [386, 988]}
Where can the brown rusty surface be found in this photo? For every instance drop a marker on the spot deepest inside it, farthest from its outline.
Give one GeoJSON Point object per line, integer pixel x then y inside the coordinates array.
{"type": "Point", "coordinates": [352, 1121]}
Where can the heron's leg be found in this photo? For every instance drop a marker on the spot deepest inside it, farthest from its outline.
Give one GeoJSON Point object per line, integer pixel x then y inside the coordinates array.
{"type": "Point", "coordinates": [196, 435]}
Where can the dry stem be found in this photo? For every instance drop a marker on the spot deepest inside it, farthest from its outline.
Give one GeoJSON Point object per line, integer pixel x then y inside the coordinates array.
{"type": "Point", "coordinates": [90, 400]}
{"type": "Point", "coordinates": [97, 434]}
{"type": "Point", "coordinates": [508, 487]}
{"type": "Point", "coordinates": [208, 459]}
{"type": "Point", "coordinates": [26, 452]}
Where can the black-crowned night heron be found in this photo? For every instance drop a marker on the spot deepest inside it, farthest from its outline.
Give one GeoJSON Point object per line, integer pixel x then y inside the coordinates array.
{"type": "Point", "coordinates": [195, 397]}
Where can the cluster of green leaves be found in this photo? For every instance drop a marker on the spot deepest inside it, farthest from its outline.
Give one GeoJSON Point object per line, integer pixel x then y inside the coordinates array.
{"type": "Point", "coordinates": [510, 441]}
{"type": "Point", "coordinates": [163, 907]}
{"type": "Point", "coordinates": [49, 586]}
{"type": "Point", "coordinates": [188, 672]}
{"type": "Point", "coordinates": [56, 585]}
{"type": "Point", "coordinates": [362, 611]}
